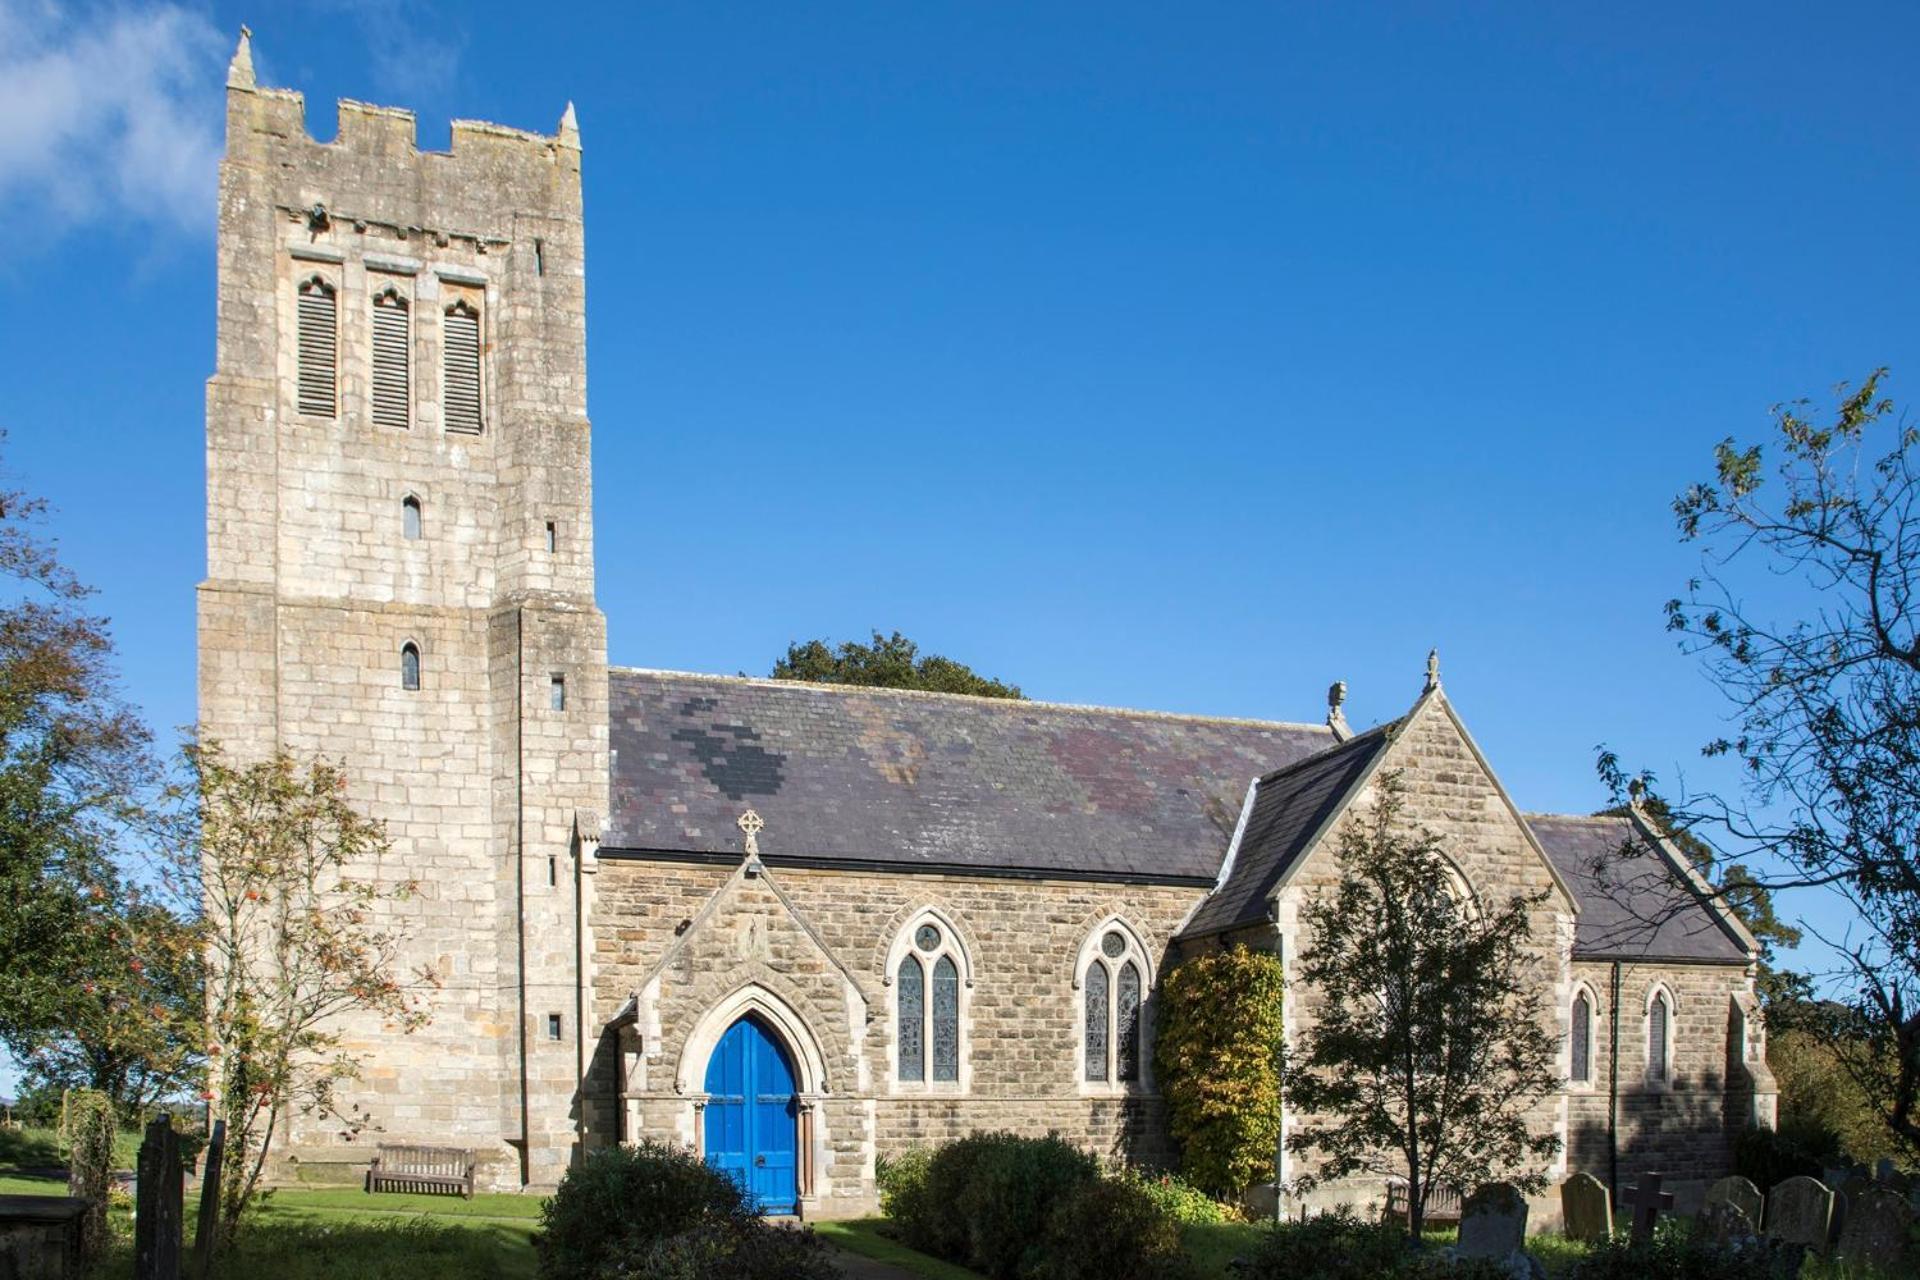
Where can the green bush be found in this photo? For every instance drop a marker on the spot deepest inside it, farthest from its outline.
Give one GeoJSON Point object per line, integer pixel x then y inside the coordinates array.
{"type": "Point", "coordinates": [1217, 1057]}
{"type": "Point", "coordinates": [1341, 1246]}
{"type": "Point", "coordinates": [1011, 1193]}
{"type": "Point", "coordinates": [620, 1199]}
{"type": "Point", "coordinates": [1107, 1228]}
{"type": "Point", "coordinates": [1179, 1199]}
{"type": "Point", "coordinates": [1678, 1255]}
{"type": "Point", "coordinates": [930, 1220]}
{"type": "Point", "coordinates": [1768, 1157]}
{"type": "Point", "coordinates": [903, 1184]}
{"type": "Point", "coordinates": [744, 1249]}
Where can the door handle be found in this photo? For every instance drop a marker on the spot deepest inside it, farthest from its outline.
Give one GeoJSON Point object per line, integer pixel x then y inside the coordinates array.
{"type": "Point", "coordinates": [759, 1162]}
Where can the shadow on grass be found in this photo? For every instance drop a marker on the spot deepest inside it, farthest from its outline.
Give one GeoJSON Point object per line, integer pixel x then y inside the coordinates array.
{"type": "Point", "coordinates": [416, 1248]}
{"type": "Point", "coordinates": [29, 1149]}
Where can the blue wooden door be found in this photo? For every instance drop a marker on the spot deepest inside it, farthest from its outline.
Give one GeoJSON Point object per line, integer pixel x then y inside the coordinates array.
{"type": "Point", "coordinates": [752, 1116]}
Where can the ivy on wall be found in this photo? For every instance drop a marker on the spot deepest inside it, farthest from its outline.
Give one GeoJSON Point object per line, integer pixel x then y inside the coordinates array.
{"type": "Point", "coordinates": [1217, 1049]}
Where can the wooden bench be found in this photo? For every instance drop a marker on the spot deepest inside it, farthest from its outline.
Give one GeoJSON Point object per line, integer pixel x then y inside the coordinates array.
{"type": "Point", "coordinates": [433, 1169]}
{"type": "Point", "coordinates": [1444, 1203]}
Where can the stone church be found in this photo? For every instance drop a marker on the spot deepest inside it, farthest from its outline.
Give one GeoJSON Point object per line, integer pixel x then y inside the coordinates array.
{"type": "Point", "coordinates": [796, 927]}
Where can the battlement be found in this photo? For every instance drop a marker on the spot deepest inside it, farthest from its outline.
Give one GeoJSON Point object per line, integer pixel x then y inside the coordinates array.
{"type": "Point", "coordinates": [390, 133]}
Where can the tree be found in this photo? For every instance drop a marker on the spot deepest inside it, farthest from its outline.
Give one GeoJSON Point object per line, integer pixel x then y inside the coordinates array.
{"type": "Point", "coordinates": [1806, 617]}
{"type": "Point", "coordinates": [292, 946]}
{"type": "Point", "coordinates": [1430, 1044]}
{"type": "Point", "coordinates": [890, 662]}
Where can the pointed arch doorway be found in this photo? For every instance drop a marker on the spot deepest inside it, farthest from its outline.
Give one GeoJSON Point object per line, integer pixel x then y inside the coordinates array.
{"type": "Point", "coordinates": [752, 1120]}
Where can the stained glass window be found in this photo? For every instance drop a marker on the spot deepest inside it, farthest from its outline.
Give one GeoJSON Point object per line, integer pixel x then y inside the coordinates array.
{"type": "Point", "coordinates": [1582, 1038]}
{"type": "Point", "coordinates": [1126, 1044]}
{"type": "Point", "coordinates": [1657, 1039]}
{"type": "Point", "coordinates": [946, 1020]}
{"type": "Point", "coordinates": [927, 937]}
{"type": "Point", "coordinates": [1096, 1021]}
{"type": "Point", "coordinates": [913, 1061]}
{"type": "Point", "coordinates": [1114, 944]}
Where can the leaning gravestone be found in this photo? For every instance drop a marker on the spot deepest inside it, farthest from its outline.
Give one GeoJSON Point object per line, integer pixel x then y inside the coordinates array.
{"type": "Point", "coordinates": [1800, 1211]}
{"type": "Point", "coordinates": [1726, 1224]}
{"type": "Point", "coordinates": [1586, 1207]}
{"type": "Point", "coordinates": [1741, 1194]}
{"type": "Point", "coordinates": [1877, 1231]}
{"type": "Point", "coordinates": [1493, 1223]}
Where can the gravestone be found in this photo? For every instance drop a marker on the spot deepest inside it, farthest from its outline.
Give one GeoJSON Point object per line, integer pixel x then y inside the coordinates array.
{"type": "Point", "coordinates": [1741, 1194]}
{"type": "Point", "coordinates": [1586, 1208]}
{"type": "Point", "coordinates": [1876, 1233]}
{"type": "Point", "coordinates": [1726, 1224]}
{"type": "Point", "coordinates": [40, 1237]}
{"type": "Point", "coordinates": [1647, 1200]}
{"type": "Point", "coordinates": [1800, 1211]}
{"type": "Point", "coordinates": [203, 1228]}
{"type": "Point", "coordinates": [157, 1204]}
{"type": "Point", "coordinates": [1493, 1223]}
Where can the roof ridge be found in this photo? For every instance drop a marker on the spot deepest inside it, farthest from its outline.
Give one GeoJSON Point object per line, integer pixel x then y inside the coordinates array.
{"type": "Point", "coordinates": [1326, 752]}
{"type": "Point", "coordinates": [1025, 704]}
{"type": "Point", "coordinates": [1530, 815]}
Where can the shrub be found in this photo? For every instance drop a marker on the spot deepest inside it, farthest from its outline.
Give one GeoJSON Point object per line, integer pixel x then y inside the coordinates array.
{"type": "Point", "coordinates": [1106, 1228]}
{"type": "Point", "coordinates": [1341, 1246]}
{"type": "Point", "coordinates": [1010, 1193]}
{"type": "Point", "coordinates": [742, 1249]}
{"type": "Point", "coordinates": [618, 1199]}
{"type": "Point", "coordinates": [930, 1220]}
{"type": "Point", "coordinates": [903, 1184]}
{"type": "Point", "coordinates": [1217, 1057]}
{"type": "Point", "coordinates": [1678, 1255]}
{"type": "Point", "coordinates": [1179, 1199]}
{"type": "Point", "coordinates": [1769, 1157]}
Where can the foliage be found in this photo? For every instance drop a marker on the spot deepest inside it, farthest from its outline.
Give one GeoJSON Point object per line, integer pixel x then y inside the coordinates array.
{"type": "Point", "coordinates": [1821, 1104]}
{"type": "Point", "coordinates": [1108, 1227]}
{"type": "Point", "coordinates": [1682, 1255]}
{"type": "Point", "coordinates": [890, 662]}
{"type": "Point", "coordinates": [1431, 1045]}
{"type": "Point", "coordinates": [736, 1248]}
{"type": "Point", "coordinates": [617, 1202]}
{"type": "Point", "coordinates": [1341, 1246]}
{"type": "Point", "coordinates": [90, 1129]}
{"type": "Point", "coordinates": [1768, 1157]}
{"type": "Point", "coordinates": [1217, 1056]}
{"type": "Point", "coordinates": [902, 1180]}
{"type": "Point", "coordinates": [1807, 618]}
{"type": "Point", "coordinates": [397, 1248]}
{"type": "Point", "coordinates": [1179, 1199]}
{"type": "Point", "coordinates": [289, 948]}
{"type": "Point", "coordinates": [985, 1200]}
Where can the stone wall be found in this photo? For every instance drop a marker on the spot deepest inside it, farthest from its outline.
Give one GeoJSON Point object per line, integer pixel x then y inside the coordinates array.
{"type": "Point", "coordinates": [312, 589]}
{"type": "Point", "coordinates": [814, 947]}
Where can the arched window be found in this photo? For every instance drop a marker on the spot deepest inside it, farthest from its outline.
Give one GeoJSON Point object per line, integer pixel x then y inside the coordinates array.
{"type": "Point", "coordinates": [392, 349]}
{"type": "Point", "coordinates": [319, 343]}
{"type": "Point", "coordinates": [927, 975]}
{"type": "Point", "coordinates": [410, 527]}
{"type": "Point", "coordinates": [410, 667]}
{"type": "Point", "coordinates": [1113, 984]}
{"type": "Point", "coordinates": [1659, 1037]}
{"type": "Point", "coordinates": [460, 394]}
{"type": "Point", "coordinates": [1580, 1033]}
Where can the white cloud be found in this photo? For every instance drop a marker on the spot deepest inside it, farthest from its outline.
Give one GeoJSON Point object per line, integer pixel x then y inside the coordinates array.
{"type": "Point", "coordinates": [112, 114]}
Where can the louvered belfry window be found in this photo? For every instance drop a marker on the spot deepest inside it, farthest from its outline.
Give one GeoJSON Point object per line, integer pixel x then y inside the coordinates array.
{"type": "Point", "coordinates": [392, 403]}
{"type": "Point", "coordinates": [462, 390]}
{"type": "Point", "coordinates": [319, 348]}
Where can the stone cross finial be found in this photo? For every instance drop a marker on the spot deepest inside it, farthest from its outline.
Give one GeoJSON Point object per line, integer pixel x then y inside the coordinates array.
{"type": "Point", "coordinates": [751, 823]}
{"type": "Point", "coordinates": [1433, 670]}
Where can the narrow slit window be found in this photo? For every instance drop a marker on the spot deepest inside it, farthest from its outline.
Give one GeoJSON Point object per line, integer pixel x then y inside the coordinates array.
{"type": "Point", "coordinates": [410, 527]}
{"type": "Point", "coordinates": [557, 693]}
{"type": "Point", "coordinates": [1658, 1016]}
{"type": "Point", "coordinates": [319, 341]}
{"type": "Point", "coordinates": [462, 357]}
{"type": "Point", "coordinates": [553, 1026]}
{"type": "Point", "coordinates": [553, 871]}
{"type": "Point", "coordinates": [392, 346]}
{"type": "Point", "coordinates": [1582, 1055]}
{"type": "Point", "coordinates": [553, 538]}
{"type": "Point", "coordinates": [410, 668]}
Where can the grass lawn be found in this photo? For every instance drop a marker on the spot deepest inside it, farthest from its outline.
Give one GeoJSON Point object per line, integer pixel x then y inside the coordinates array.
{"type": "Point", "coordinates": [1213, 1245]}
{"type": "Point", "coordinates": [30, 1148]}
{"type": "Point", "coordinates": [864, 1236]}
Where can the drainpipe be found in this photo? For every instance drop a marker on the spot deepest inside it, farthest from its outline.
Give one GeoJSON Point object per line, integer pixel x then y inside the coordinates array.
{"type": "Point", "coordinates": [1613, 1085]}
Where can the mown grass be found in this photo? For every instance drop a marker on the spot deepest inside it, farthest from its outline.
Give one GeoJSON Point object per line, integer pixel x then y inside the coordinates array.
{"type": "Point", "coordinates": [867, 1237]}
{"type": "Point", "coordinates": [1212, 1245]}
{"type": "Point", "coordinates": [32, 1148]}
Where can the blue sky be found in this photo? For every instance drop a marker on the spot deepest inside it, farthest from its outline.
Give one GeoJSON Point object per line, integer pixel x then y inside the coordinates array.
{"type": "Point", "coordinates": [1186, 357]}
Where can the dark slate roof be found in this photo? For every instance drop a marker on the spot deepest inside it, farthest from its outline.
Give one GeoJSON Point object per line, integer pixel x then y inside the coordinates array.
{"type": "Point", "coordinates": [1291, 805]}
{"type": "Point", "coordinates": [1631, 908]}
{"type": "Point", "coordinates": [904, 779]}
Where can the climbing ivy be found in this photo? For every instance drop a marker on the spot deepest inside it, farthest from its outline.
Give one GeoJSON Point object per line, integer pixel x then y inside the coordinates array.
{"type": "Point", "coordinates": [1217, 1053]}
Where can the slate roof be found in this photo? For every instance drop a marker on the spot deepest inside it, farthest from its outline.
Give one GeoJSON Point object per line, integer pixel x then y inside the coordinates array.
{"type": "Point", "coordinates": [1631, 908]}
{"type": "Point", "coordinates": [930, 781]}
{"type": "Point", "coordinates": [1290, 807]}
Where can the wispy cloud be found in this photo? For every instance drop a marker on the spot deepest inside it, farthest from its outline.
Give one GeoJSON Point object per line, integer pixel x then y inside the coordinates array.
{"type": "Point", "coordinates": [410, 63]}
{"type": "Point", "coordinates": [108, 114]}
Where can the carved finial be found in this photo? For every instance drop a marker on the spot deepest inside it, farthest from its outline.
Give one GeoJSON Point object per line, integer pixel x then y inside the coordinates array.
{"type": "Point", "coordinates": [1337, 718]}
{"type": "Point", "coordinates": [751, 823]}
{"type": "Point", "coordinates": [1433, 670]}
{"type": "Point", "coordinates": [240, 70]}
{"type": "Point", "coordinates": [569, 128]}
{"type": "Point", "coordinates": [1636, 792]}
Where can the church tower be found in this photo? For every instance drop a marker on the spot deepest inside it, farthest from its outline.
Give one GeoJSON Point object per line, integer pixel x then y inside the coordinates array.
{"type": "Point", "coordinates": [400, 577]}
